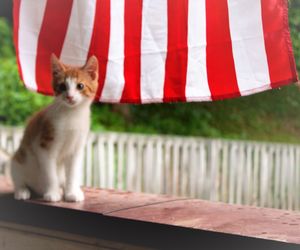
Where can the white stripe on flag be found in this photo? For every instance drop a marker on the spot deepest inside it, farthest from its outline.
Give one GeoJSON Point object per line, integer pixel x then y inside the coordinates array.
{"type": "Point", "coordinates": [78, 37]}
{"type": "Point", "coordinates": [31, 18]}
{"type": "Point", "coordinates": [114, 81]}
{"type": "Point", "coordinates": [153, 50]}
{"type": "Point", "coordinates": [249, 52]}
{"type": "Point", "coordinates": [197, 87]}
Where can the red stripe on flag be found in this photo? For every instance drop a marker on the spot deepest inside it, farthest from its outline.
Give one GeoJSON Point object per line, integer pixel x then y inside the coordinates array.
{"type": "Point", "coordinates": [16, 15]}
{"type": "Point", "coordinates": [278, 45]}
{"type": "Point", "coordinates": [177, 56]}
{"type": "Point", "coordinates": [219, 57]}
{"type": "Point", "coordinates": [100, 40]}
{"type": "Point", "coordinates": [132, 51]}
{"type": "Point", "coordinates": [51, 38]}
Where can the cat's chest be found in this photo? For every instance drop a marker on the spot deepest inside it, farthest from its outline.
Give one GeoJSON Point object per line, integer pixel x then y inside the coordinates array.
{"type": "Point", "coordinates": [72, 122]}
{"type": "Point", "coordinates": [71, 132]}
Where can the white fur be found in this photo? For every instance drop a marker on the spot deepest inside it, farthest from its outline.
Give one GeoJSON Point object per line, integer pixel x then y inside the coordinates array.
{"type": "Point", "coordinates": [55, 172]}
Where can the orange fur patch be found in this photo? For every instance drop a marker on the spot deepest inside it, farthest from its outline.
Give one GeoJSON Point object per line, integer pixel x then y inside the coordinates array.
{"type": "Point", "coordinates": [20, 155]}
{"type": "Point", "coordinates": [39, 129]}
{"type": "Point", "coordinates": [47, 134]}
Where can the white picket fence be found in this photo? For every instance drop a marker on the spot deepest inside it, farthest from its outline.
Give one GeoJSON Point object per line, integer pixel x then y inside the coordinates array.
{"type": "Point", "coordinates": [240, 172]}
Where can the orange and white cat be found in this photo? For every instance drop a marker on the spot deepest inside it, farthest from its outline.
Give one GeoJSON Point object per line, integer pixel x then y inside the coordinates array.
{"type": "Point", "coordinates": [49, 158]}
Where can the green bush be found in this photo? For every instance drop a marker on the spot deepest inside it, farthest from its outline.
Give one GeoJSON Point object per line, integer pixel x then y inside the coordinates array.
{"type": "Point", "coordinates": [6, 44]}
{"type": "Point", "coordinates": [16, 103]}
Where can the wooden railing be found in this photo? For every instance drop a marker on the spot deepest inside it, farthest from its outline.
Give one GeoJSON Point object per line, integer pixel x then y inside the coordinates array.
{"type": "Point", "coordinates": [240, 172]}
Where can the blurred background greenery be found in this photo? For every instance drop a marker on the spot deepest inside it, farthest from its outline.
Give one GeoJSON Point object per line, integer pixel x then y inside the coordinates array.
{"type": "Point", "coordinates": [270, 116]}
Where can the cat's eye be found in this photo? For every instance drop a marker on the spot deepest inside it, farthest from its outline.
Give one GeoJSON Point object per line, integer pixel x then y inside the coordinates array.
{"type": "Point", "coordinates": [62, 87]}
{"type": "Point", "coordinates": [80, 86]}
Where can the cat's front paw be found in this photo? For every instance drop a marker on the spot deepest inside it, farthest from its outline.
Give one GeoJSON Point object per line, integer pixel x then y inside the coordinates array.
{"type": "Point", "coordinates": [52, 196]}
{"type": "Point", "coordinates": [74, 196]}
{"type": "Point", "coordinates": [22, 194]}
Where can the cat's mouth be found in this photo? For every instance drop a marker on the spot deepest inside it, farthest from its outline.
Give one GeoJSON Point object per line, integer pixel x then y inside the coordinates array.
{"type": "Point", "coordinates": [70, 102]}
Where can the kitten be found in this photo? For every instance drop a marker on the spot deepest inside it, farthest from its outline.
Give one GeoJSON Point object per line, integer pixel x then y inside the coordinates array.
{"type": "Point", "coordinates": [51, 151]}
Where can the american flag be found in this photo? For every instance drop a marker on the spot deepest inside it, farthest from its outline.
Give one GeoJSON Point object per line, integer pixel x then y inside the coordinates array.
{"type": "Point", "coordinates": [159, 50]}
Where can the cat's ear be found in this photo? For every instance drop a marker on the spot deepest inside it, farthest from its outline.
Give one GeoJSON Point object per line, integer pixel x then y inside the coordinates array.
{"type": "Point", "coordinates": [57, 66]}
{"type": "Point", "coordinates": [91, 67]}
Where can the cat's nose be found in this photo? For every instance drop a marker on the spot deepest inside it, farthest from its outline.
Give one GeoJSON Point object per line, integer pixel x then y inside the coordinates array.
{"type": "Point", "coordinates": [70, 98]}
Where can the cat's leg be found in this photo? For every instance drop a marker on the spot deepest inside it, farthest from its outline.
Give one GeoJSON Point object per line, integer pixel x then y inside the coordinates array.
{"type": "Point", "coordinates": [73, 192]}
{"type": "Point", "coordinates": [21, 190]}
{"type": "Point", "coordinates": [61, 175]}
{"type": "Point", "coordinates": [49, 178]}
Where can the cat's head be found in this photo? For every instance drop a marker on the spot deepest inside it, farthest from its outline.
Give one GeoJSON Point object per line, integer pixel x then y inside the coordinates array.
{"type": "Point", "coordinates": [74, 85]}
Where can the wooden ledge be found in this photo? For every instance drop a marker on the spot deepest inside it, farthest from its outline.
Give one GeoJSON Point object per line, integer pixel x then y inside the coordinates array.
{"type": "Point", "coordinates": [144, 220]}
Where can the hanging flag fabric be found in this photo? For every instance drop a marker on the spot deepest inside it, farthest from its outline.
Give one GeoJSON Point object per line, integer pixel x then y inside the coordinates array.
{"type": "Point", "coordinates": [159, 51]}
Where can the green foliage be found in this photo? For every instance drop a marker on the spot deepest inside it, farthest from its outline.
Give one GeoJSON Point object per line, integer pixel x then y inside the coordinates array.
{"type": "Point", "coordinates": [294, 21]}
{"type": "Point", "coordinates": [17, 103]}
{"type": "Point", "coordinates": [176, 118]}
{"type": "Point", "coordinates": [6, 44]}
{"type": "Point", "coordinates": [104, 119]}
